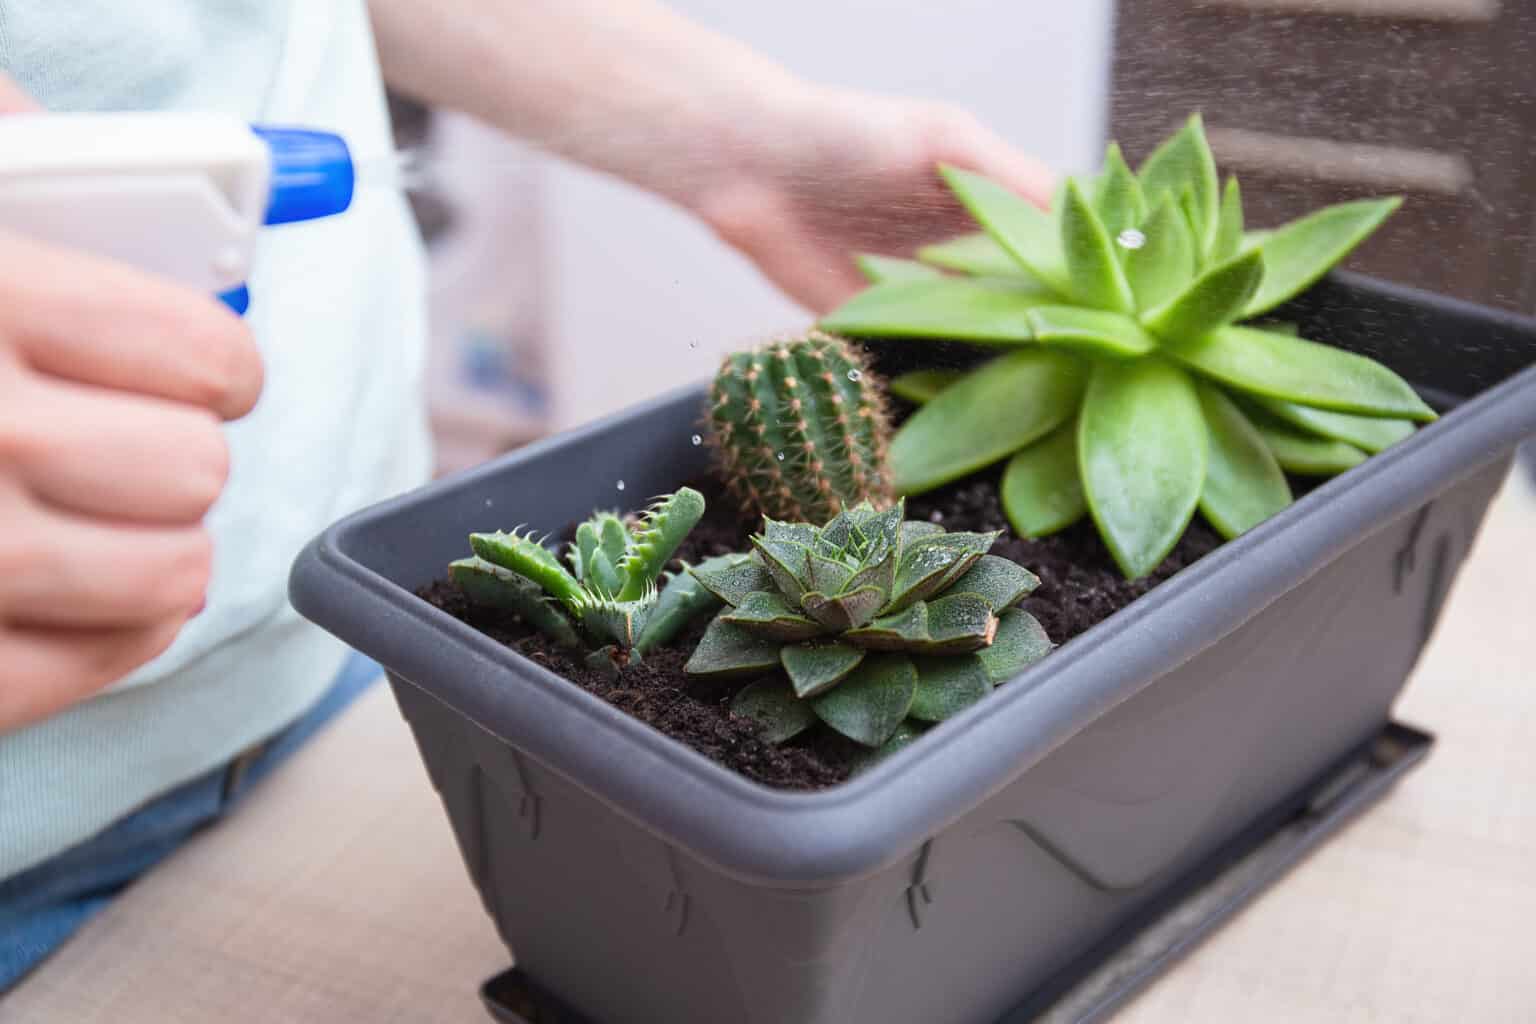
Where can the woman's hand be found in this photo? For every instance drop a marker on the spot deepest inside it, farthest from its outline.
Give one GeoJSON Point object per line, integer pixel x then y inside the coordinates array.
{"type": "Point", "coordinates": [844, 172]}
{"type": "Point", "coordinates": [112, 387]}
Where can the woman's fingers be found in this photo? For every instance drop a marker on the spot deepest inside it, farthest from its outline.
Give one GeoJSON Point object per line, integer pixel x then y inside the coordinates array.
{"type": "Point", "coordinates": [117, 456]}
{"type": "Point", "coordinates": [48, 669]}
{"type": "Point", "coordinates": [63, 572]}
{"type": "Point", "coordinates": [94, 321]}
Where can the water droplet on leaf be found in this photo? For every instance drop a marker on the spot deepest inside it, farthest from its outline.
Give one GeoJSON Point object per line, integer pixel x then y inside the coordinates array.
{"type": "Point", "coordinates": [1130, 238]}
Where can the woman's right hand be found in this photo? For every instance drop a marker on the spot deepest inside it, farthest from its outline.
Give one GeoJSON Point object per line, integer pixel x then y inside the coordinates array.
{"type": "Point", "coordinates": [113, 384]}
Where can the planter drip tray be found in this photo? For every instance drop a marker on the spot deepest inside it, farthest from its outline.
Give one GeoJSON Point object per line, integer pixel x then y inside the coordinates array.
{"type": "Point", "coordinates": [1192, 908]}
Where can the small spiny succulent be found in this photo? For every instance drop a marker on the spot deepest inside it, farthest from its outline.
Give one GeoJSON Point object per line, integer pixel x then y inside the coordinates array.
{"type": "Point", "coordinates": [870, 624]}
{"type": "Point", "coordinates": [800, 429]}
{"type": "Point", "coordinates": [609, 593]}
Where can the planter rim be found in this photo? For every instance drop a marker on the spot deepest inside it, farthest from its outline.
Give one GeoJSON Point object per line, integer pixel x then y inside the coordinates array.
{"type": "Point", "coordinates": [776, 837]}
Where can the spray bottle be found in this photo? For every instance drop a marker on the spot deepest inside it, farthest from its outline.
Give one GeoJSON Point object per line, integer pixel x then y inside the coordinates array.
{"type": "Point", "coordinates": [178, 194]}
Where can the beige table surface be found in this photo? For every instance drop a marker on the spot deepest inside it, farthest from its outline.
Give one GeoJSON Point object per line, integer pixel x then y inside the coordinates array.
{"type": "Point", "coordinates": [336, 894]}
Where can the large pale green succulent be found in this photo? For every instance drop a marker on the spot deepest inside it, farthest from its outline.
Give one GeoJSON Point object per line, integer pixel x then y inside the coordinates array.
{"type": "Point", "coordinates": [1141, 381]}
{"type": "Point", "coordinates": [869, 624]}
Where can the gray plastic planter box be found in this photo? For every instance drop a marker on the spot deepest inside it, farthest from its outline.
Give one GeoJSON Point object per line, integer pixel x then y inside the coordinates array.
{"type": "Point", "coordinates": [637, 881]}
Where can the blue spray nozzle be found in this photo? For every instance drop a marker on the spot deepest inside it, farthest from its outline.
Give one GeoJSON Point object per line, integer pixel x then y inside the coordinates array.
{"type": "Point", "coordinates": [312, 173]}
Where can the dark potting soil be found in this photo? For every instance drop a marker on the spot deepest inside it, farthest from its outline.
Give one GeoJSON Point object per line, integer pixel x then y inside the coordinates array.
{"type": "Point", "coordinates": [1079, 587]}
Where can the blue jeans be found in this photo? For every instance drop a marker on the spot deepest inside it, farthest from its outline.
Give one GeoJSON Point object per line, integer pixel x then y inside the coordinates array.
{"type": "Point", "coordinates": [44, 905]}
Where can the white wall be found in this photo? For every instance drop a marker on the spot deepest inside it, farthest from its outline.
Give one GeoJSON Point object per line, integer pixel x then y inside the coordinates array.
{"type": "Point", "coordinates": [637, 284]}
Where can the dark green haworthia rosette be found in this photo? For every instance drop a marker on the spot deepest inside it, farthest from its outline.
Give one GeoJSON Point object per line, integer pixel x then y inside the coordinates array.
{"type": "Point", "coordinates": [1139, 379]}
{"type": "Point", "coordinates": [606, 592]}
{"type": "Point", "coordinates": [872, 625]}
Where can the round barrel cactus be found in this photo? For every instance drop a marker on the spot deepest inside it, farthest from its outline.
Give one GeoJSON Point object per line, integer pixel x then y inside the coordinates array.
{"type": "Point", "coordinates": [800, 429]}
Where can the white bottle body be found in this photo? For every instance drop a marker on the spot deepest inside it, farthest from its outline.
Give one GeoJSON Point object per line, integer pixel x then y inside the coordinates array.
{"type": "Point", "coordinates": [178, 194]}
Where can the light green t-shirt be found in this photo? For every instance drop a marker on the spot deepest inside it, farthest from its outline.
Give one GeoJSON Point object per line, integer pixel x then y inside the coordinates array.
{"type": "Point", "coordinates": [337, 308]}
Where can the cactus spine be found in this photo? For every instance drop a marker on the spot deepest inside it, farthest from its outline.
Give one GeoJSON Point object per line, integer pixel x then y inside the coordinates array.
{"type": "Point", "coordinates": [800, 429]}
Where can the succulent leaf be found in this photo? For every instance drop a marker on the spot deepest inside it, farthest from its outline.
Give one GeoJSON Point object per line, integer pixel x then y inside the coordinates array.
{"type": "Point", "coordinates": [914, 530]}
{"type": "Point", "coordinates": [732, 577]}
{"type": "Point", "coordinates": [486, 583]}
{"type": "Point", "coordinates": [1214, 299]}
{"type": "Point", "coordinates": [1244, 485]}
{"type": "Point", "coordinates": [930, 565]}
{"type": "Point", "coordinates": [1305, 372]}
{"type": "Point", "coordinates": [602, 576]}
{"type": "Point", "coordinates": [1142, 452]}
{"type": "Point", "coordinates": [1306, 454]}
{"type": "Point", "coordinates": [993, 412]}
{"type": "Point", "coordinates": [526, 557]}
{"type": "Point", "coordinates": [844, 611]}
{"type": "Point", "coordinates": [614, 621]}
{"type": "Point", "coordinates": [1023, 230]}
{"type": "Point", "coordinates": [1093, 268]}
{"type": "Point", "coordinates": [921, 386]}
{"type": "Point", "coordinates": [905, 630]}
{"type": "Point", "coordinates": [1187, 206]}
{"type": "Point", "coordinates": [1042, 491]}
{"type": "Point", "coordinates": [947, 686]}
{"type": "Point", "coordinates": [1368, 433]}
{"type": "Point", "coordinates": [613, 537]}
{"type": "Point", "coordinates": [1094, 331]}
{"type": "Point", "coordinates": [870, 704]}
{"type": "Point", "coordinates": [1229, 225]}
{"type": "Point", "coordinates": [1118, 199]}
{"type": "Point", "coordinates": [959, 622]}
{"type": "Point", "coordinates": [662, 528]}
{"type": "Point", "coordinates": [786, 563]}
{"type": "Point", "coordinates": [1299, 253]}
{"type": "Point", "coordinates": [1020, 641]}
{"type": "Point", "coordinates": [827, 575]}
{"type": "Point", "coordinates": [1185, 162]}
{"type": "Point", "coordinates": [988, 311]}
{"type": "Point", "coordinates": [998, 581]}
{"type": "Point", "coordinates": [682, 600]}
{"type": "Point", "coordinates": [886, 268]}
{"type": "Point", "coordinates": [766, 614]}
{"type": "Point", "coordinates": [803, 534]}
{"type": "Point", "coordinates": [976, 254]}
{"type": "Point", "coordinates": [1167, 259]}
{"type": "Point", "coordinates": [728, 650]}
{"type": "Point", "coordinates": [583, 548]}
{"type": "Point", "coordinates": [905, 733]}
{"type": "Point", "coordinates": [774, 707]}
{"type": "Point", "coordinates": [814, 669]}
{"type": "Point", "coordinates": [881, 575]}
{"type": "Point", "coordinates": [953, 624]}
